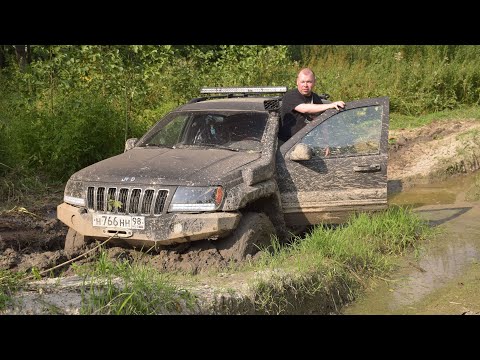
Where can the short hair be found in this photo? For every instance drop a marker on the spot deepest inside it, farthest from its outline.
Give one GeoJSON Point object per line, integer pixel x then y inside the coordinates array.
{"type": "Point", "coordinates": [307, 70]}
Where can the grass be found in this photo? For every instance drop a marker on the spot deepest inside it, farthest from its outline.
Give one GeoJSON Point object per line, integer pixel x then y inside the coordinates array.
{"type": "Point", "coordinates": [362, 243]}
{"type": "Point", "coordinates": [122, 288]}
{"type": "Point", "coordinates": [399, 121]}
{"type": "Point", "coordinates": [332, 264]}
{"type": "Point", "coordinates": [29, 189]}
{"type": "Point", "coordinates": [10, 283]}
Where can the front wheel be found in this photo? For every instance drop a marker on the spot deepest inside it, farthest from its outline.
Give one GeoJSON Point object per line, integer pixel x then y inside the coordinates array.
{"type": "Point", "coordinates": [253, 232]}
{"type": "Point", "coordinates": [74, 241]}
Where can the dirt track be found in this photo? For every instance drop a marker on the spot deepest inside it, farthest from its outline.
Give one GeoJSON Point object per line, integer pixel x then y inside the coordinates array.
{"type": "Point", "coordinates": [34, 238]}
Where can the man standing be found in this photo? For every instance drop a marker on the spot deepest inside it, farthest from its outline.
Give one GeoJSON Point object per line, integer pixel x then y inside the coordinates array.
{"type": "Point", "coordinates": [301, 105]}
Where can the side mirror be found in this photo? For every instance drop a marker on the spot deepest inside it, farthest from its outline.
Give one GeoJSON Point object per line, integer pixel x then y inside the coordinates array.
{"type": "Point", "coordinates": [130, 144]}
{"type": "Point", "coordinates": [301, 152]}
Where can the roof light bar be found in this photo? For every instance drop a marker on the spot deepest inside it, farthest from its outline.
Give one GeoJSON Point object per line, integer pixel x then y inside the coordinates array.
{"type": "Point", "coordinates": [233, 90]}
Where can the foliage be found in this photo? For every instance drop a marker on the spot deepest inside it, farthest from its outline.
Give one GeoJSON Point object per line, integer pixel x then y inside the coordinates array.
{"type": "Point", "coordinates": [82, 130]}
{"type": "Point", "coordinates": [74, 105]}
{"type": "Point", "coordinates": [417, 78]}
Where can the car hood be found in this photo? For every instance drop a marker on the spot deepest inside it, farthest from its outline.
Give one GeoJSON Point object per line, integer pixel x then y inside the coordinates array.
{"type": "Point", "coordinates": [166, 166]}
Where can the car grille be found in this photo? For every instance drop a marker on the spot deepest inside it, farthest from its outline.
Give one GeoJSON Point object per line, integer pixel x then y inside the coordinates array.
{"type": "Point", "coordinates": [126, 200]}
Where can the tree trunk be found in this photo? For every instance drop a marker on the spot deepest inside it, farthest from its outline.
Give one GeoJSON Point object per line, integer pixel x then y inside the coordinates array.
{"type": "Point", "coordinates": [21, 52]}
{"type": "Point", "coordinates": [3, 57]}
{"type": "Point", "coordinates": [29, 55]}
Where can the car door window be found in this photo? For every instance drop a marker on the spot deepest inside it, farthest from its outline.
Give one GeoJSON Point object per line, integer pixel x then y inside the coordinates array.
{"type": "Point", "coordinates": [349, 133]}
{"type": "Point", "coordinates": [319, 188]}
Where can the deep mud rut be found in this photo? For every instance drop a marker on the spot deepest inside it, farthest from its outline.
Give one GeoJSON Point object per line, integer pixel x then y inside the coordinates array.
{"type": "Point", "coordinates": [32, 237]}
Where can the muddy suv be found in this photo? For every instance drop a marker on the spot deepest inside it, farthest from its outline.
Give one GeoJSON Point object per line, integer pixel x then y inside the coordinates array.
{"type": "Point", "coordinates": [214, 169]}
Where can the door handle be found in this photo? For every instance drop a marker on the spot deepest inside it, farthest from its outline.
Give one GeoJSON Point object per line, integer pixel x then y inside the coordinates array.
{"type": "Point", "coordinates": [367, 168]}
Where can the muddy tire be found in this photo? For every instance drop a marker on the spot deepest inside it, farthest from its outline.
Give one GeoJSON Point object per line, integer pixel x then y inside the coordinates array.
{"type": "Point", "coordinates": [74, 241]}
{"type": "Point", "coordinates": [253, 232]}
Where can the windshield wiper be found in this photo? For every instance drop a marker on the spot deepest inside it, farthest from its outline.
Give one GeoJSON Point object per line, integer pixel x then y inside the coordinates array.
{"type": "Point", "coordinates": [216, 146]}
{"type": "Point", "coordinates": [156, 145]}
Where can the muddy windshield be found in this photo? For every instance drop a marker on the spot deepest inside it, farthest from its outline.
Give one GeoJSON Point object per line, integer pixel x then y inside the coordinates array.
{"type": "Point", "coordinates": [238, 131]}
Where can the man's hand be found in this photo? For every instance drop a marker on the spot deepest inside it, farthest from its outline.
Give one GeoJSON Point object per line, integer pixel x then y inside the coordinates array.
{"type": "Point", "coordinates": [338, 104]}
{"type": "Point", "coordinates": [327, 151]}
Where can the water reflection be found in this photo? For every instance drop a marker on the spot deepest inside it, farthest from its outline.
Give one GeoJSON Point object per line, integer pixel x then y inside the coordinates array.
{"type": "Point", "coordinates": [445, 192]}
{"type": "Point", "coordinates": [437, 217]}
{"type": "Point", "coordinates": [436, 270]}
{"type": "Point", "coordinates": [441, 260]}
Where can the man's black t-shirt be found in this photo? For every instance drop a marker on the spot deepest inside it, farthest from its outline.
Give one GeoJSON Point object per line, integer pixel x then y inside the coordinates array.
{"type": "Point", "coordinates": [291, 120]}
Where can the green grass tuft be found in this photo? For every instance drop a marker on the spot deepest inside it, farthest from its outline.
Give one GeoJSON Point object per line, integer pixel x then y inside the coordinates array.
{"type": "Point", "coordinates": [10, 283]}
{"type": "Point", "coordinates": [121, 288]}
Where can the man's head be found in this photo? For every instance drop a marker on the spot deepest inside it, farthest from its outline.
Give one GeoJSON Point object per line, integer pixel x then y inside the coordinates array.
{"type": "Point", "coordinates": [305, 81]}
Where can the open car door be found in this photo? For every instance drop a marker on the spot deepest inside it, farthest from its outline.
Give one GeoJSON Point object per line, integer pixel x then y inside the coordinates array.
{"type": "Point", "coordinates": [326, 186]}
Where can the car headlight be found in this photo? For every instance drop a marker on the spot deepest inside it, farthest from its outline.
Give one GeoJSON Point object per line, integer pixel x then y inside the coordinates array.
{"type": "Point", "coordinates": [189, 198]}
{"type": "Point", "coordinates": [74, 200]}
{"type": "Point", "coordinates": [74, 194]}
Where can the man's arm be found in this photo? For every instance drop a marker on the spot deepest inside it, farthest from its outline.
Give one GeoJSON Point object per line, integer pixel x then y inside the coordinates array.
{"type": "Point", "coordinates": [315, 109]}
{"type": "Point", "coordinates": [318, 108]}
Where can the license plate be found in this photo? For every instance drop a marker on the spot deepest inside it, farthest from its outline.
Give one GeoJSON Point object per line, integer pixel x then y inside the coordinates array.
{"type": "Point", "coordinates": [119, 221]}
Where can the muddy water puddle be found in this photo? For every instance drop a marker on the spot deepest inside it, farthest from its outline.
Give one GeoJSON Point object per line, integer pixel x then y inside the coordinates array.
{"type": "Point", "coordinates": [445, 192]}
{"type": "Point", "coordinates": [440, 263]}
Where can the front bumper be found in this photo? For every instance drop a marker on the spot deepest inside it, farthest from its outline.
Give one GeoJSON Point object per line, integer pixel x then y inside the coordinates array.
{"type": "Point", "coordinates": [159, 230]}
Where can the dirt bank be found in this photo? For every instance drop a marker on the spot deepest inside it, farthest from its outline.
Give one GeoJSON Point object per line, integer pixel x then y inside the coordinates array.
{"type": "Point", "coordinates": [433, 152]}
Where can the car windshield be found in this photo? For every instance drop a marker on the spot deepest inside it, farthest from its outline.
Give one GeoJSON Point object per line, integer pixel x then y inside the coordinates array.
{"type": "Point", "coordinates": [232, 130]}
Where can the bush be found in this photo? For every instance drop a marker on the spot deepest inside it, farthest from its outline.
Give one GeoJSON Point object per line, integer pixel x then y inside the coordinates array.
{"type": "Point", "coordinates": [83, 130]}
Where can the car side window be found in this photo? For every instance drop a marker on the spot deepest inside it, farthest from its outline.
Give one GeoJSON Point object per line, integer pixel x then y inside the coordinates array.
{"type": "Point", "coordinates": [348, 133]}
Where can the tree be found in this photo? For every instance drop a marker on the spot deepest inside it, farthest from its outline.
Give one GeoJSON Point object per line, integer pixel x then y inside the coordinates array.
{"type": "Point", "coordinates": [23, 56]}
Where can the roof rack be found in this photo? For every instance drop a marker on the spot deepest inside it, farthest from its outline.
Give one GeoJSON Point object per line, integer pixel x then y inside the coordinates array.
{"type": "Point", "coordinates": [231, 92]}
{"type": "Point", "coordinates": [245, 90]}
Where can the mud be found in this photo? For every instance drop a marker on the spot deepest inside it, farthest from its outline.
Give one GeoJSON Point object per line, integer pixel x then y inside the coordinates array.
{"type": "Point", "coordinates": [32, 237]}
{"type": "Point", "coordinates": [432, 153]}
